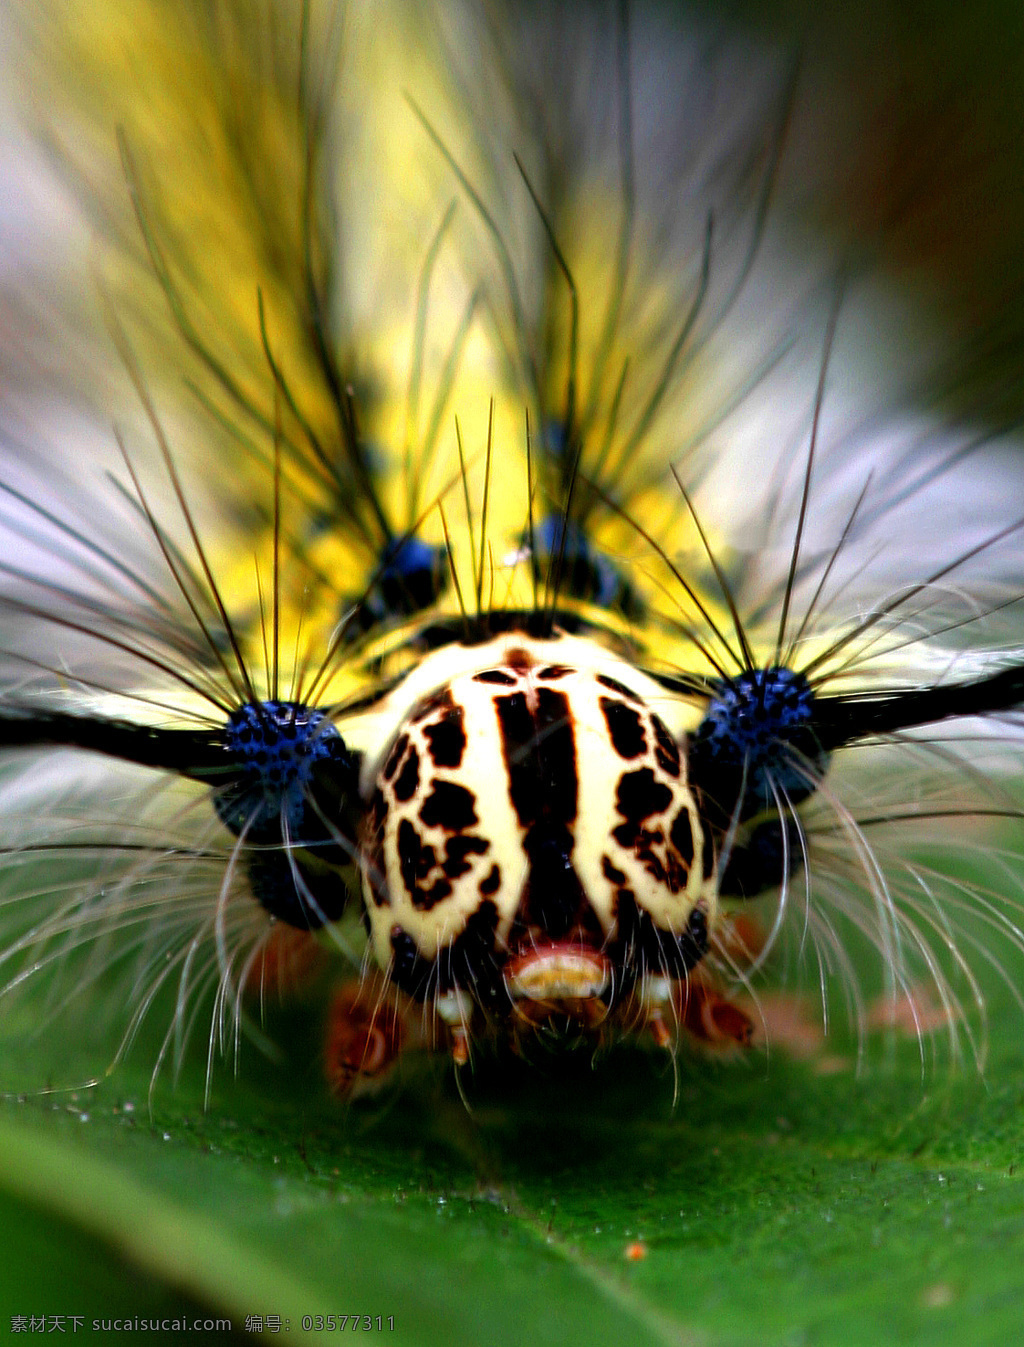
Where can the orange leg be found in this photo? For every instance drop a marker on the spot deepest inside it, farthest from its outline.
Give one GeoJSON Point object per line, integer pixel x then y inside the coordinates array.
{"type": "Point", "coordinates": [710, 1017]}
{"type": "Point", "coordinates": [365, 1036]}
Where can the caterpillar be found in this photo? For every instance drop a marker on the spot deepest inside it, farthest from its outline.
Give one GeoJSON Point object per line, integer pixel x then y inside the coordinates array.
{"type": "Point", "coordinates": [545, 660]}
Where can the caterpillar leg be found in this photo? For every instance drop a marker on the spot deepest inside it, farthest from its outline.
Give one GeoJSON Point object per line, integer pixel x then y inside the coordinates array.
{"type": "Point", "coordinates": [710, 1017]}
{"type": "Point", "coordinates": [368, 1027]}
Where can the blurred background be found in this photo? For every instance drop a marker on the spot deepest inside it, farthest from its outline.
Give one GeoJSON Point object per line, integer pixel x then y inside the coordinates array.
{"type": "Point", "coordinates": [908, 142]}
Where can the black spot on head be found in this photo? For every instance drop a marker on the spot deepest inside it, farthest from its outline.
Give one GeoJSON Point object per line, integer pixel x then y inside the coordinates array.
{"type": "Point", "coordinates": [627, 834]}
{"type": "Point", "coordinates": [449, 806]}
{"type": "Point", "coordinates": [550, 672]}
{"type": "Point", "coordinates": [418, 863]}
{"type": "Point", "coordinates": [495, 676]}
{"type": "Point", "coordinates": [681, 835]}
{"type": "Point", "coordinates": [517, 737]}
{"type": "Point", "coordinates": [447, 739]}
{"type": "Point", "coordinates": [415, 860]}
{"type": "Point", "coordinates": [408, 780]}
{"type": "Point", "coordinates": [709, 850]}
{"type": "Point", "coordinates": [457, 850]}
{"type": "Point", "coordinates": [539, 748]}
{"type": "Point", "coordinates": [625, 728]}
{"type": "Point", "coordinates": [639, 795]}
{"type": "Point", "coordinates": [614, 685]}
{"type": "Point", "coordinates": [662, 861]}
{"type": "Point", "coordinates": [611, 872]}
{"type": "Point", "coordinates": [556, 753]}
{"type": "Point", "coordinates": [666, 749]}
{"type": "Point", "coordinates": [491, 882]}
{"type": "Point", "coordinates": [554, 899]}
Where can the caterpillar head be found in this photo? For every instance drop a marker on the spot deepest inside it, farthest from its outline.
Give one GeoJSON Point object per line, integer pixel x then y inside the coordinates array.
{"type": "Point", "coordinates": [532, 852]}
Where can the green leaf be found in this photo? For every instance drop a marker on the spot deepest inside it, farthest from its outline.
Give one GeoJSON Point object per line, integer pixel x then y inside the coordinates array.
{"type": "Point", "coordinates": [778, 1201]}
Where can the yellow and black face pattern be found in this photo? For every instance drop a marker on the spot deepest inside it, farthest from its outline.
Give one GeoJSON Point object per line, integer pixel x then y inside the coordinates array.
{"type": "Point", "coordinates": [482, 554]}
{"type": "Point", "coordinates": [532, 806]}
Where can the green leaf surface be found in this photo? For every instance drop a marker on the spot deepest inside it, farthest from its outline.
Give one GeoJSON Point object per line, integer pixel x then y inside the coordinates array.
{"type": "Point", "coordinates": [778, 1201]}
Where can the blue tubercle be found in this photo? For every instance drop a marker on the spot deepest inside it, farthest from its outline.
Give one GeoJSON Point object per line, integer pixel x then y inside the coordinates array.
{"type": "Point", "coordinates": [407, 558]}
{"type": "Point", "coordinates": [584, 572]}
{"type": "Point", "coordinates": [274, 746]}
{"type": "Point", "coordinates": [412, 574]}
{"type": "Point", "coordinates": [289, 787]}
{"type": "Point", "coordinates": [757, 736]}
{"type": "Point", "coordinates": [555, 442]}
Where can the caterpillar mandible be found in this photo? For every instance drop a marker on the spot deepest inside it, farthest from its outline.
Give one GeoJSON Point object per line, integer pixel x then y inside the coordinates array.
{"type": "Point", "coordinates": [509, 654]}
